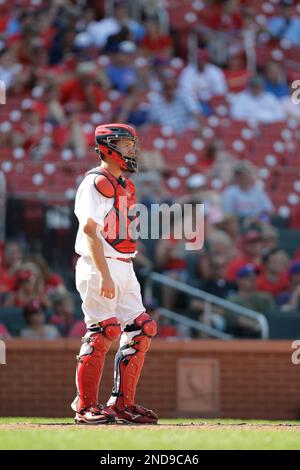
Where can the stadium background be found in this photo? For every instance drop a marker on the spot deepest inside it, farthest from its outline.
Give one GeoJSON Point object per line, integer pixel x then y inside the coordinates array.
{"type": "Point", "coordinates": [71, 65]}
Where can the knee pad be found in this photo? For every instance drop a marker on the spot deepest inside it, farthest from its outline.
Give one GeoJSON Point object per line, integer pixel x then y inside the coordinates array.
{"type": "Point", "coordinates": [146, 328]}
{"type": "Point", "coordinates": [111, 328]}
{"type": "Point", "coordinates": [146, 324]}
{"type": "Point", "coordinates": [99, 338]}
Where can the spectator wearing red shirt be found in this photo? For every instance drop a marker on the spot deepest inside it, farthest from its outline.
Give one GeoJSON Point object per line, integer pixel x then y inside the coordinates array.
{"type": "Point", "coordinates": [52, 280]}
{"type": "Point", "coordinates": [227, 18]}
{"type": "Point", "coordinates": [274, 276]}
{"type": "Point", "coordinates": [30, 134]}
{"type": "Point", "coordinates": [252, 247]}
{"type": "Point", "coordinates": [12, 259]}
{"type": "Point", "coordinates": [84, 90]}
{"type": "Point", "coordinates": [236, 74]}
{"type": "Point", "coordinates": [154, 42]}
{"type": "Point", "coordinates": [29, 286]}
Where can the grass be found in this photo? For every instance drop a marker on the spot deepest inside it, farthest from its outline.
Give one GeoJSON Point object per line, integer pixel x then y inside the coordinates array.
{"type": "Point", "coordinates": [133, 437]}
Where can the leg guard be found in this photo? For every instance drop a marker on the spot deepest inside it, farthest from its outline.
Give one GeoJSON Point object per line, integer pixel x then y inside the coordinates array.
{"type": "Point", "coordinates": [91, 359]}
{"type": "Point", "coordinates": [135, 342]}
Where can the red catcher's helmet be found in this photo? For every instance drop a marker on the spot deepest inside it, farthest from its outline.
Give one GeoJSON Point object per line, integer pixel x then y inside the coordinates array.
{"type": "Point", "coordinates": [107, 137]}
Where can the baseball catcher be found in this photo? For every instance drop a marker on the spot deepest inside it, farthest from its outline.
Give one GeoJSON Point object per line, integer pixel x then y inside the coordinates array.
{"type": "Point", "coordinates": [107, 284]}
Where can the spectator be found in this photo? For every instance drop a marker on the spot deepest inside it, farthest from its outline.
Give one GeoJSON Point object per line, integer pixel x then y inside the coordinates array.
{"type": "Point", "coordinates": [9, 68]}
{"type": "Point", "coordinates": [52, 281]}
{"type": "Point", "coordinates": [55, 112]}
{"type": "Point", "coordinates": [251, 253]}
{"type": "Point", "coordinates": [4, 333]}
{"type": "Point", "coordinates": [248, 296]}
{"type": "Point", "coordinates": [198, 191]}
{"type": "Point", "coordinates": [63, 312]}
{"type": "Point", "coordinates": [222, 162]}
{"type": "Point", "coordinates": [121, 72]}
{"type": "Point", "coordinates": [223, 22]}
{"type": "Point", "coordinates": [270, 237]}
{"type": "Point", "coordinates": [203, 81]}
{"type": "Point", "coordinates": [34, 313]}
{"type": "Point", "coordinates": [212, 279]}
{"type": "Point", "coordinates": [230, 225]}
{"type": "Point", "coordinates": [71, 134]}
{"type": "Point", "coordinates": [149, 181]}
{"type": "Point", "coordinates": [244, 198]}
{"type": "Point", "coordinates": [256, 104]}
{"type": "Point", "coordinates": [29, 286]}
{"type": "Point", "coordinates": [274, 277]}
{"type": "Point", "coordinates": [220, 250]}
{"type": "Point", "coordinates": [236, 73]}
{"type": "Point", "coordinates": [64, 43]}
{"type": "Point", "coordinates": [12, 259]}
{"type": "Point", "coordinates": [133, 110]}
{"type": "Point", "coordinates": [113, 42]}
{"type": "Point", "coordinates": [155, 43]}
{"type": "Point", "coordinates": [99, 31]}
{"type": "Point", "coordinates": [173, 108]}
{"type": "Point", "coordinates": [227, 17]}
{"type": "Point", "coordinates": [285, 25]}
{"type": "Point", "coordinates": [30, 133]}
{"type": "Point", "coordinates": [275, 82]}
{"type": "Point", "coordinates": [153, 163]}
{"type": "Point", "coordinates": [85, 90]}
{"type": "Point", "coordinates": [290, 300]}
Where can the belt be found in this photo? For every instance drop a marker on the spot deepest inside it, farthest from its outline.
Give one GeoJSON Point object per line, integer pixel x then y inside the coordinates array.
{"type": "Point", "coordinates": [126, 260]}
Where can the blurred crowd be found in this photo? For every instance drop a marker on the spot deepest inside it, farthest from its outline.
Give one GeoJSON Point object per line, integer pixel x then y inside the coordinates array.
{"type": "Point", "coordinates": [39, 295]}
{"type": "Point", "coordinates": [66, 57]}
{"type": "Point", "coordinates": [66, 60]}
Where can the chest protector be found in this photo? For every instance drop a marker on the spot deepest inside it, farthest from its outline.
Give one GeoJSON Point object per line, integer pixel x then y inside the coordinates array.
{"type": "Point", "coordinates": [118, 223]}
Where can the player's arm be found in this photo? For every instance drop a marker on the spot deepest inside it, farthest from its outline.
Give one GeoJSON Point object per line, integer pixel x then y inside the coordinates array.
{"type": "Point", "coordinates": [107, 288]}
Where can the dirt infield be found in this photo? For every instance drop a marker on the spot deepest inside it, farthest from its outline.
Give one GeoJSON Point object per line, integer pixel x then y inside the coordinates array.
{"type": "Point", "coordinates": [199, 426]}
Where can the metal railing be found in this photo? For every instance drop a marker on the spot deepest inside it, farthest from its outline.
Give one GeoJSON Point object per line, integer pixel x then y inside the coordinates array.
{"type": "Point", "coordinates": [188, 322]}
{"type": "Point", "coordinates": [208, 299]}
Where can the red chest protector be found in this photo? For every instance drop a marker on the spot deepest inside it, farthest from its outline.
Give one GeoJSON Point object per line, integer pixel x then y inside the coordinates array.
{"type": "Point", "coordinates": [117, 223]}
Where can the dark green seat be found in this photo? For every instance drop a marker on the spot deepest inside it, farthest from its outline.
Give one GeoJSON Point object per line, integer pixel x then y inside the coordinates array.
{"type": "Point", "coordinates": [13, 319]}
{"type": "Point", "coordinates": [289, 240]}
{"type": "Point", "coordinates": [284, 325]}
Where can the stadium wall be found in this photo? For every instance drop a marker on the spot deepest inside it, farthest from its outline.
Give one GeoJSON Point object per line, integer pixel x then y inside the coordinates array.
{"type": "Point", "coordinates": [199, 378]}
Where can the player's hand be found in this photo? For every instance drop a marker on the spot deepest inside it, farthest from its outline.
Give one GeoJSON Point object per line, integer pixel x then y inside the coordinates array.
{"type": "Point", "coordinates": [107, 288]}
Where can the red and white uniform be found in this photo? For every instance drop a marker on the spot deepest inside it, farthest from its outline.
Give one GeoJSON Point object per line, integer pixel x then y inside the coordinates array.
{"type": "Point", "coordinates": [109, 201]}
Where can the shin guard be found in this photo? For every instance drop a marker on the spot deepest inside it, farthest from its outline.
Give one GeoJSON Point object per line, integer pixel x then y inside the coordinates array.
{"type": "Point", "coordinates": [91, 359]}
{"type": "Point", "coordinates": [135, 342]}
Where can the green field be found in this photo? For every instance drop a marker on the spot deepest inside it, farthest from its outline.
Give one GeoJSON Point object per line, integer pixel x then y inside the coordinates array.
{"type": "Point", "coordinates": [42, 433]}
